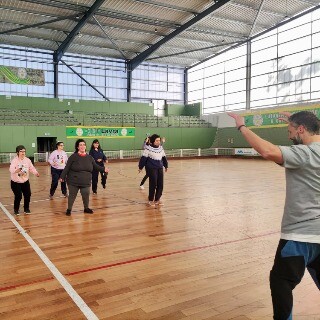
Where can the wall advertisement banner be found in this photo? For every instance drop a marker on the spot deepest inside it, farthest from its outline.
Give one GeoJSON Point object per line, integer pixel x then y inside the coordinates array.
{"type": "Point", "coordinates": [99, 132]}
{"type": "Point", "coordinates": [24, 76]}
{"type": "Point", "coordinates": [269, 119]}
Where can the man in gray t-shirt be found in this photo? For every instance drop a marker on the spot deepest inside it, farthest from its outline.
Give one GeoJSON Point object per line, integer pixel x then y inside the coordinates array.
{"type": "Point", "coordinates": [299, 245]}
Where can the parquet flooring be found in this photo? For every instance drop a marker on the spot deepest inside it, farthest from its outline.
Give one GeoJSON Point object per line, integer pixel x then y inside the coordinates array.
{"type": "Point", "coordinates": [206, 254]}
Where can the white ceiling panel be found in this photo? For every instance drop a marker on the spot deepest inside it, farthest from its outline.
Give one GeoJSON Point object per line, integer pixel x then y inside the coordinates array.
{"type": "Point", "coordinates": [127, 28]}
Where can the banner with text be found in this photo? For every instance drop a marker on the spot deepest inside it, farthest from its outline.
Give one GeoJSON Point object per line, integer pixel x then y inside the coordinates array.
{"type": "Point", "coordinates": [26, 76]}
{"type": "Point", "coordinates": [99, 132]}
{"type": "Point", "coordinates": [268, 119]}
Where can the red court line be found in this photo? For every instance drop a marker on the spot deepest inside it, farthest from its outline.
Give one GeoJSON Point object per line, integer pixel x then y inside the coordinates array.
{"type": "Point", "coordinates": [107, 266]}
{"type": "Point", "coordinates": [25, 284]}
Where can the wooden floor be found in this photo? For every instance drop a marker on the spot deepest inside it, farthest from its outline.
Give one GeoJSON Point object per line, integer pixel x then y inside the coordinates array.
{"type": "Point", "coordinates": [205, 255]}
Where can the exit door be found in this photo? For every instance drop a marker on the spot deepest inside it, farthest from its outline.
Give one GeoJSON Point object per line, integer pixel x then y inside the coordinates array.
{"type": "Point", "coordinates": [46, 144]}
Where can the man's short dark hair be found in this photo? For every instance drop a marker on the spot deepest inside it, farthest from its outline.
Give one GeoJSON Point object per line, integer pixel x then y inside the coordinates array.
{"type": "Point", "coordinates": [306, 119]}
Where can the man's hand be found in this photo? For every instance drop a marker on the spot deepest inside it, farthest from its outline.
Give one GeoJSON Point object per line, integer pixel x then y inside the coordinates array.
{"type": "Point", "coordinates": [239, 119]}
{"type": "Point", "coordinates": [284, 116]}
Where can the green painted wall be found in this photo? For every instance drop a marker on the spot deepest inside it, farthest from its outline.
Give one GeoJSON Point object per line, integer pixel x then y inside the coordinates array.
{"type": "Point", "coordinates": [35, 103]}
{"type": "Point", "coordinates": [174, 109]}
{"type": "Point", "coordinates": [193, 109]}
{"type": "Point", "coordinates": [176, 138]}
{"type": "Point", "coordinates": [232, 138]}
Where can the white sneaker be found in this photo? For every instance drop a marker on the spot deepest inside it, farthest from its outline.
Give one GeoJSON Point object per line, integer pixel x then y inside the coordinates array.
{"type": "Point", "coordinates": [158, 203]}
{"type": "Point", "coordinates": [150, 204]}
{"type": "Point", "coordinates": [50, 197]}
{"type": "Point", "coordinates": [141, 187]}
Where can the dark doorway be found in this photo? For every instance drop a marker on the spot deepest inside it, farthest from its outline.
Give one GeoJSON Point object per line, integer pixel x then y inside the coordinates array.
{"type": "Point", "coordinates": [46, 144]}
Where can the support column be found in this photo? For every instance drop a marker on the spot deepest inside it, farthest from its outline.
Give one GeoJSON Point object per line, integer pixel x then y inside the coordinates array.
{"type": "Point", "coordinates": [55, 78]}
{"type": "Point", "coordinates": [248, 76]}
{"type": "Point", "coordinates": [129, 82]}
{"type": "Point", "coordinates": [185, 86]}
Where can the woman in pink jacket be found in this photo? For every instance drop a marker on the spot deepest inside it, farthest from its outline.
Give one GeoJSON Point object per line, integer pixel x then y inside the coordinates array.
{"type": "Point", "coordinates": [19, 169]}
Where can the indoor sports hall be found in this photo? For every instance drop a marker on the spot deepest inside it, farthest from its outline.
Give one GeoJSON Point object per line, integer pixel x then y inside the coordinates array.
{"type": "Point", "coordinates": [216, 83]}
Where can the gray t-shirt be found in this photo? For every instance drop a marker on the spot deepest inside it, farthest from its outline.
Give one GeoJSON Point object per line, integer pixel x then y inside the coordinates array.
{"type": "Point", "coordinates": [301, 217]}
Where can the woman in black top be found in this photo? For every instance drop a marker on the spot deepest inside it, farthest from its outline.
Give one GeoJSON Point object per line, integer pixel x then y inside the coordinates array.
{"type": "Point", "coordinates": [99, 157]}
{"type": "Point", "coordinates": [78, 174]}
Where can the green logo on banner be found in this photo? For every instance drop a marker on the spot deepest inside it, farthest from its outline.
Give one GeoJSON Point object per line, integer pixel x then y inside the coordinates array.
{"type": "Point", "coordinates": [268, 119]}
{"type": "Point", "coordinates": [100, 132]}
{"type": "Point", "coordinates": [25, 76]}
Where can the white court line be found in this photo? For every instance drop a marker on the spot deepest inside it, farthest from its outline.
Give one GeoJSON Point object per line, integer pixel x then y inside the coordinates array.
{"type": "Point", "coordinates": [57, 274]}
{"type": "Point", "coordinates": [35, 201]}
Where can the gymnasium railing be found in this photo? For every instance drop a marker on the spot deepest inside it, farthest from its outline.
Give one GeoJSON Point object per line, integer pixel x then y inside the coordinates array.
{"type": "Point", "coordinates": [136, 154]}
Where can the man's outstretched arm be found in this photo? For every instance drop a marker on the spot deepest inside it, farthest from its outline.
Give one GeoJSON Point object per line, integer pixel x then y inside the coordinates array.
{"type": "Point", "coordinates": [267, 150]}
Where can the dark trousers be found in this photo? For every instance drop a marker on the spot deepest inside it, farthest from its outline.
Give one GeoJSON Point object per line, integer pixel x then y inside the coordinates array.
{"type": "Point", "coordinates": [95, 178]}
{"type": "Point", "coordinates": [20, 189]}
{"type": "Point", "coordinates": [56, 173]}
{"type": "Point", "coordinates": [291, 260]}
{"type": "Point", "coordinates": [155, 183]}
{"type": "Point", "coordinates": [144, 179]}
{"type": "Point", "coordinates": [73, 191]}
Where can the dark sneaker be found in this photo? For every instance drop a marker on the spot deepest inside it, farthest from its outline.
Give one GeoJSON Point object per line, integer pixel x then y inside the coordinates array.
{"type": "Point", "coordinates": [103, 186]}
{"type": "Point", "coordinates": [16, 212]}
{"type": "Point", "coordinates": [88, 210]}
{"type": "Point", "coordinates": [68, 212]}
{"type": "Point", "coordinates": [27, 211]}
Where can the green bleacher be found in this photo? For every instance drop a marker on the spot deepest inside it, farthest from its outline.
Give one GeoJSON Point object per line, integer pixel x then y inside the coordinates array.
{"type": "Point", "coordinates": [51, 117]}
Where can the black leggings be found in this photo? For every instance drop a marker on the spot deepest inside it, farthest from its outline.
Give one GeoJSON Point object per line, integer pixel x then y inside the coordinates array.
{"type": "Point", "coordinates": [95, 178]}
{"type": "Point", "coordinates": [56, 173]}
{"type": "Point", "coordinates": [291, 260]}
{"type": "Point", "coordinates": [19, 189]}
{"type": "Point", "coordinates": [155, 183]}
{"type": "Point", "coordinates": [144, 179]}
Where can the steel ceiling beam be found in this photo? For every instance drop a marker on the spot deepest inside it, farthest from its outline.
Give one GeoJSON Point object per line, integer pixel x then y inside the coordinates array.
{"type": "Point", "coordinates": [39, 24]}
{"type": "Point", "coordinates": [193, 50]}
{"type": "Point", "coordinates": [145, 54]}
{"type": "Point", "coordinates": [167, 6]}
{"type": "Point", "coordinates": [111, 40]}
{"type": "Point", "coordinates": [256, 18]}
{"type": "Point", "coordinates": [68, 40]}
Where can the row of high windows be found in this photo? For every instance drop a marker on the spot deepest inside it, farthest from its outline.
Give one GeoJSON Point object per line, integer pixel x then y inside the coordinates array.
{"type": "Point", "coordinates": [109, 77]}
{"type": "Point", "coordinates": [285, 69]}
